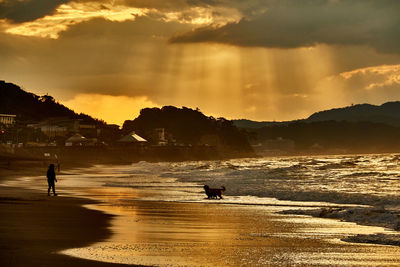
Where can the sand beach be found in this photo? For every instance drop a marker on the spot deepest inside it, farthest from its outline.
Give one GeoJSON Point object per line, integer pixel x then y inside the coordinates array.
{"type": "Point", "coordinates": [34, 227]}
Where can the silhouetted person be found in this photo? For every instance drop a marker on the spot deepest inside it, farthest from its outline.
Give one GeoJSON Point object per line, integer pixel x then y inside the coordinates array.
{"type": "Point", "coordinates": [51, 178]}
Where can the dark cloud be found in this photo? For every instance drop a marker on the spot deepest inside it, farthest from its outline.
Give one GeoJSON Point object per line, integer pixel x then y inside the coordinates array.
{"type": "Point", "coordinates": [28, 10]}
{"type": "Point", "coordinates": [292, 23]}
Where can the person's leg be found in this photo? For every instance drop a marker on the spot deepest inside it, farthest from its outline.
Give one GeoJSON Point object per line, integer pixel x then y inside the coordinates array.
{"type": "Point", "coordinates": [48, 190]}
{"type": "Point", "coordinates": [54, 190]}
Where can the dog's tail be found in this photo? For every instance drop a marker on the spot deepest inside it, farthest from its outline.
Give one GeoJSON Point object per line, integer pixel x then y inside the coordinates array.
{"type": "Point", "coordinates": [223, 188]}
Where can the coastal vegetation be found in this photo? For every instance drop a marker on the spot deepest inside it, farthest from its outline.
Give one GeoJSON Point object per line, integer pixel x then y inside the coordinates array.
{"type": "Point", "coordinates": [360, 128]}
{"type": "Point", "coordinates": [189, 126]}
{"type": "Point", "coordinates": [32, 108]}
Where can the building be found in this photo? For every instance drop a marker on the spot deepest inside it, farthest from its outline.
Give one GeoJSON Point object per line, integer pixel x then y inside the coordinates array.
{"type": "Point", "coordinates": [159, 136]}
{"type": "Point", "coordinates": [7, 119]}
{"type": "Point", "coordinates": [79, 140]}
{"type": "Point", "coordinates": [50, 130]}
{"type": "Point", "coordinates": [89, 130]}
{"type": "Point", "coordinates": [63, 126]}
{"type": "Point", "coordinates": [132, 138]}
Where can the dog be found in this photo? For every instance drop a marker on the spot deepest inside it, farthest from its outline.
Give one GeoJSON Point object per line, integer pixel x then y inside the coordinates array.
{"type": "Point", "coordinates": [214, 192]}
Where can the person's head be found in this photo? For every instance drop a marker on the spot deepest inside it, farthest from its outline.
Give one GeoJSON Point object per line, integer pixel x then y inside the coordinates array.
{"type": "Point", "coordinates": [51, 167]}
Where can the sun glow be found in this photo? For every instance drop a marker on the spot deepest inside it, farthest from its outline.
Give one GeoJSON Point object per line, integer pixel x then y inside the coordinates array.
{"type": "Point", "coordinates": [245, 82]}
{"type": "Point", "coordinates": [112, 109]}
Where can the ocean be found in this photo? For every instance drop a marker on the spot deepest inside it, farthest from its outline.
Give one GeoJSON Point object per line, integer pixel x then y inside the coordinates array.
{"type": "Point", "coordinates": [350, 179]}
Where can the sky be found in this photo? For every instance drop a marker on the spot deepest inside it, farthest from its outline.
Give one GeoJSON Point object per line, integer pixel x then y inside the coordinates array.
{"type": "Point", "coordinates": [263, 60]}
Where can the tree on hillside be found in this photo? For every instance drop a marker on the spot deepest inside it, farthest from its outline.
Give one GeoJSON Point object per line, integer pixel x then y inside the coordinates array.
{"type": "Point", "coordinates": [30, 107]}
{"type": "Point", "coordinates": [334, 134]}
{"type": "Point", "coordinates": [187, 126]}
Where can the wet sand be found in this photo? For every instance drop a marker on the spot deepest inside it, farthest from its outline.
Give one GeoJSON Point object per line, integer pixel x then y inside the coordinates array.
{"type": "Point", "coordinates": [207, 234]}
{"type": "Point", "coordinates": [35, 227]}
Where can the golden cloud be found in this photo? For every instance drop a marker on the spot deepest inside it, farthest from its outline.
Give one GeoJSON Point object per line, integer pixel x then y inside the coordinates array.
{"type": "Point", "coordinates": [73, 13]}
{"type": "Point", "coordinates": [216, 16]}
{"type": "Point", "coordinates": [380, 76]}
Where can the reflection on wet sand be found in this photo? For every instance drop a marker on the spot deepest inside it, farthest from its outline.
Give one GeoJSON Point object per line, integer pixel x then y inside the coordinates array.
{"type": "Point", "coordinates": [196, 234]}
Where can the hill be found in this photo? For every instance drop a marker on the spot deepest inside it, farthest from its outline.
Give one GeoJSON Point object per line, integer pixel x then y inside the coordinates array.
{"type": "Point", "coordinates": [353, 129]}
{"type": "Point", "coordinates": [387, 113]}
{"type": "Point", "coordinates": [188, 126]}
{"type": "Point", "coordinates": [30, 107]}
{"type": "Point", "coordinates": [330, 135]}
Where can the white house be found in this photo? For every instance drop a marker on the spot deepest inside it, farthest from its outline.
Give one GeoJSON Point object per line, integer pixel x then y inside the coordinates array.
{"type": "Point", "coordinates": [132, 138]}
{"type": "Point", "coordinates": [7, 119]}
